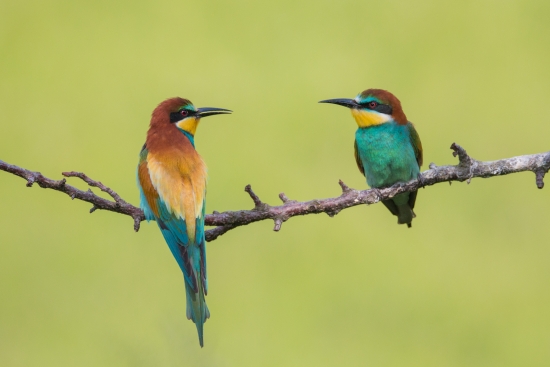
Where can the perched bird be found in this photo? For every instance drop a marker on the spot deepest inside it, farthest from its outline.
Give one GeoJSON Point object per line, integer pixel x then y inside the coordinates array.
{"type": "Point", "coordinates": [172, 183]}
{"type": "Point", "coordinates": [387, 146]}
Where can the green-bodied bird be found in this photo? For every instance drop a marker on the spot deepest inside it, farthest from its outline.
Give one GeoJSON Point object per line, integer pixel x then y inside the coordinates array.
{"type": "Point", "coordinates": [387, 146]}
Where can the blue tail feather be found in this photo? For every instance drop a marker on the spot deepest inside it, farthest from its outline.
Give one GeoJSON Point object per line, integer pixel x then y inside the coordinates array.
{"type": "Point", "coordinates": [192, 262]}
{"type": "Point", "coordinates": [197, 311]}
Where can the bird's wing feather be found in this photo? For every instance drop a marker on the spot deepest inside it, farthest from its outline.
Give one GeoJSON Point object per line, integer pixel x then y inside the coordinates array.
{"type": "Point", "coordinates": [174, 230]}
{"type": "Point", "coordinates": [202, 246]}
{"type": "Point", "coordinates": [358, 158]}
{"type": "Point", "coordinates": [415, 142]}
{"type": "Point", "coordinates": [148, 194]}
{"type": "Point", "coordinates": [417, 147]}
{"type": "Point", "coordinates": [412, 199]}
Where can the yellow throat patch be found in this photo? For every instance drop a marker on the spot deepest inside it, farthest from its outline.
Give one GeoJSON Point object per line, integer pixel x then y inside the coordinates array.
{"type": "Point", "coordinates": [189, 124]}
{"type": "Point", "coordinates": [366, 118]}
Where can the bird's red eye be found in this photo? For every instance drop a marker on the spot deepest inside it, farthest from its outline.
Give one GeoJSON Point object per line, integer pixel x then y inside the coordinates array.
{"type": "Point", "coordinates": [372, 105]}
{"type": "Point", "coordinates": [184, 112]}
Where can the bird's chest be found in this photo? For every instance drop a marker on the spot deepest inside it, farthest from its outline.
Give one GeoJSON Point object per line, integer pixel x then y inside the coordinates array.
{"type": "Point", "coordinates": [387, 154]}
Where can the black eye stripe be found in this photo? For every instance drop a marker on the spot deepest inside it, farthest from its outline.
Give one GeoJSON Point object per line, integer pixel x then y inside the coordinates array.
{"type": "Point", "coordinates": [178, 116]}
{"type": "Point", "coordinates": [378, 107]}
{"type": "Point", "coordinates": [384, 108]}
{"type": "Point", "coordinates": [175, 117]}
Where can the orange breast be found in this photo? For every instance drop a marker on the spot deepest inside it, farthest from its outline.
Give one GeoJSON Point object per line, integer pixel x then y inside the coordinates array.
{"type": "Point", "coordinates": [177, 172]}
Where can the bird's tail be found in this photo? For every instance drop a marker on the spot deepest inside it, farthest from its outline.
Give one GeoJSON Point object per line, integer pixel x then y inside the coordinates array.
{"type": "Point", "coordinates": [405, 214]}
{"type": "Point", "coordinates": [400, 206]}
{"type": "Point", "coordinates": [197, 311]}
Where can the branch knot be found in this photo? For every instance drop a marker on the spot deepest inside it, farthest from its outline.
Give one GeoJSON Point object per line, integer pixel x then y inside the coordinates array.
{"type": "Point", "coordinates": [465, 161]}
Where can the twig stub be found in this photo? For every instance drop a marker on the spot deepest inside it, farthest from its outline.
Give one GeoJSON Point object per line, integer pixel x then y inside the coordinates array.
{"type": "Point", "coordinates": [540, 178]}
{"type": "Point", "coordinates": [345, 188]}
{"type": "Point", "coordinates": [257, 202]}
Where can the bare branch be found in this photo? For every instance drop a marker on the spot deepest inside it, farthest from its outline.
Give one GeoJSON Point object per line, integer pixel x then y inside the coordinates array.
{"type": "Point", "coordinates": [466, 169]}
{"type": "Point", "coordinates": [257, 202]}
{"type": "Point", "coordinates": [119, 206]}
{"type": "Point", "coordinates": [214, 233]}
{"type": "Point", "coordinates": [97, 184]}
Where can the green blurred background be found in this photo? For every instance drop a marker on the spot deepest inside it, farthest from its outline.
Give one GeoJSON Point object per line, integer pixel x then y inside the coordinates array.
{"type": "Point", "coordinates": [468, 285]}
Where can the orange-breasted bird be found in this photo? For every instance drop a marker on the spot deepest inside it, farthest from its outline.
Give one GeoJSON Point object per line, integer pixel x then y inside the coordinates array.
{"type": "Point", "coordinates": [387, 146]}
{"type": "Point", "coordinates": [172, 184]}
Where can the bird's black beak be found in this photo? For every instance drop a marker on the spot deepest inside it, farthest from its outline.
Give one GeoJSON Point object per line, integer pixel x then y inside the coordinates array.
{"type": "Point", "coordinates": [346, 102]}
{"type": "Point", "coordinates": [211, 111]}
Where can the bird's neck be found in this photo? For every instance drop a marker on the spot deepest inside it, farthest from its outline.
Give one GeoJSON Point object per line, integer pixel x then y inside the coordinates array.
{"type": "Point", "coordinates": [365, 118]}
{"type": "Point", "coordinates": [189, 136]}
{"type": "Point", "coordinates": [169, 138]}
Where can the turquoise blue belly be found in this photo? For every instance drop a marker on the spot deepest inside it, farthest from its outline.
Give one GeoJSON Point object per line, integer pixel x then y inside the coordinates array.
{"type": "Point", "coordinates": [387, 154]}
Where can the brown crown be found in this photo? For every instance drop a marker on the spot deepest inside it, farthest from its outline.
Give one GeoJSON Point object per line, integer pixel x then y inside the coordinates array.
{"type": "Point", "coordinates": [387, 98]}
{"type": "Point", "coordinates": [161, 114]}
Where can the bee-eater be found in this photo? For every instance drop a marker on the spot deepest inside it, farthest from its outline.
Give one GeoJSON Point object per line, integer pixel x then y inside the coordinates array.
{"type": "Point", "coordinates": [172, 184]}
{"type": "Point", "coordinates": [387, 146]}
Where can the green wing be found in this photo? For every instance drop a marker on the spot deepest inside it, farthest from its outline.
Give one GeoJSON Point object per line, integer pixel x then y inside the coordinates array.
{"type": "Point", "coordinates": [143, 153]}
{"type": "Point", "coordinates": [415, 142]}
{"type": "Point", "coordinates": [358, 159]}
{"type": "Point", "coordinates": [417, 147]}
